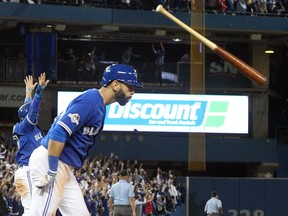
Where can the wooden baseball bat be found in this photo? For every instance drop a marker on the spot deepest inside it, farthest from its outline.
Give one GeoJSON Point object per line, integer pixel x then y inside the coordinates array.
{"type": "Point", "coordinates": [247, 70]}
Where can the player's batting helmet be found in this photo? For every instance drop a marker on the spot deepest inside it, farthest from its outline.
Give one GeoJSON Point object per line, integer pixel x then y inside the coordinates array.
{"type": "Point", "coordinates": [121, 72]}
{"type": "Point", "coordinates": [23, 110]}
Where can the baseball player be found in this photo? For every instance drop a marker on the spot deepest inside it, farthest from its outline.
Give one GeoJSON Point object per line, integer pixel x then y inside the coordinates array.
{"type": "Point", "coordinates": [27, 135]}
{"type": "Point", "coordinates": [68, 141]}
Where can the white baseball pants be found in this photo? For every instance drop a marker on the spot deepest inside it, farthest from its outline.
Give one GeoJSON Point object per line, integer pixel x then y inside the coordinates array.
{"type": "Point", "coordinates": [23, 186]}
{"type": "Point", "coordinates": [64, 194]}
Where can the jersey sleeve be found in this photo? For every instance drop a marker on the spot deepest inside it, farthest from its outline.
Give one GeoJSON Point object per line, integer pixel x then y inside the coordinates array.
{"type": "Point", "coordinates": [75, 116]}
{"type": "Point", "coordinates": [34, 111]}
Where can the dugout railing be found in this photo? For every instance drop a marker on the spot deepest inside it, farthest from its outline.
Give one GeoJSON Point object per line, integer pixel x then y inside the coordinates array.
{"type": "Point", "coordinates": [78, 72]}
{"type": "Point", "coordinates": [81, 72]}
{"type": "Point", "coordinates": [12, 69]}
{"type": "Point", "coordinates": [15, 69]}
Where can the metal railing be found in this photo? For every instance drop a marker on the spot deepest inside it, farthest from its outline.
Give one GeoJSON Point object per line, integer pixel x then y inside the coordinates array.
{"type": "Point", "coordinates": [14, 70]}
{"type": "Point", "coordinates": [2, 69]}
{"type": "Point", "coordinates": [73, 71]}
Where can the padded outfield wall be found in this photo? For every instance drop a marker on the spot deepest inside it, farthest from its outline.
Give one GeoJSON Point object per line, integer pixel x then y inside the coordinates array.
{"type": "Point", "coordinates": [240, 196]}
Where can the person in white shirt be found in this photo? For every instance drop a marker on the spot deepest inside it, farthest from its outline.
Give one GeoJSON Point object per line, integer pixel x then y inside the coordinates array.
{"type": "Point", "coordinates": [213, 206]}
{"type": "Point", "coordinates": [139, 202]}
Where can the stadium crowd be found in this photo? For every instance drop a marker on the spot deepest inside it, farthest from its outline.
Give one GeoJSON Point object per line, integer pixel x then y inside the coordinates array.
{"type": "Point", "coordinates": [254, 7]}
{"type": "Point", "coordinates": [154, 195]}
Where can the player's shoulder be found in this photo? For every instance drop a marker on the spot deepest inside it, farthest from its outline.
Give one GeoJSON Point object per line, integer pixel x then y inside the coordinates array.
{"type": "Point", "coordinates": [20, 126]}
{"type": "Point", "coordinates": [91, 96]}
{"type": "Point", "coordinates": [88, 93]}
{"type": "Point", "coordinates": [15, 127]}
{"type": "Point", "coordinates": [91, 91]}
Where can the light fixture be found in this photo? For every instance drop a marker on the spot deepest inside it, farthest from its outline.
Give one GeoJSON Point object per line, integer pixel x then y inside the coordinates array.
{"type": "Point", "coordinates": [255, 37]}
{"type": "Point", "coordinates": [177, 39]}
{"type": "Point", "coordinates": [269, 51]}
{"type": "Point", "coordinates": [59, 27]}
{"type": "Point", "coordinates": [159, 32]}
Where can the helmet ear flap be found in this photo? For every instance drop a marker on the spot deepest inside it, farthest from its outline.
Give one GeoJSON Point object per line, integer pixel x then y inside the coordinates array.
{"type": "Point", "coordinates": [23, 111]}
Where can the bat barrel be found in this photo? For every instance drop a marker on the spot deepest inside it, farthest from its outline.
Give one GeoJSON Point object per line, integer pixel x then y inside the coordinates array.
{"type": "Point", "coordinates": [250, 72]}
{"type": "Point", "coordinates": [247, 70]}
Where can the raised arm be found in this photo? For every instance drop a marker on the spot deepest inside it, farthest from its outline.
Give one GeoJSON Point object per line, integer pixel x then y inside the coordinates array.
{"type": "Point", "coordinates": [162, 47]}
{"type": "Point", "coordinates": [29, 87]}
{"type": "Point", "coordinates": [153, 48]}
{"type": "Point", "coordinates": [35, 106]}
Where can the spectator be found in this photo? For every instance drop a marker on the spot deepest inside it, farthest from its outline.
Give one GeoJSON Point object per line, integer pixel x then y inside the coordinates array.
{"type": "Point", "coordinates": [231, 5]}
{"type": "Point", "coordinates": [212, 5]}
{"type": "Point", "coordinates": [280, 7]}
{"type": "Point", "coordinates": [159, 62]}
{"type": "Point", "coordinates": [70, 55]}
{"type": "Point", "coordinates": [222, 6]}
{"type": "Point", "coordinates": [14, 203]}
{"type": "Point", "coordinates": [251, 6]}
{"type": "Point", "coordinates": [3, 151]}
{"type": "Point", "coordinates": [103, 197]}
{"type": "Point", "coordinates": [96, 176]}
{"type": "Point", "coordinates": [88, 201]}
{"type": "Point", "coordinates": [168, 197]}
{"type": "Point", "coordinates": [241, 6]}
{"type": "Point", "coordinates": [3, 205]}
{"type": "Point", "coordinates": [161, 204]}
{"type": "Point", "coordinates": [261, 6]}
{"type": "Point", "coordinates": [136, 4]}
{"type": "Point", "coordinates": [173, 192]}
{"type": "Point", "coordinates": [126, 57]}
{"type": "Point", "coordinates": [150, 205]}
{"type": "Point", "coordinates": [185, 57]}
{"type": "Point", "coordinates": [275, 7]}
{"type": "Point", "coordinates": [93, 205]}
{"type": "Point", "coordinates": [271, 6]}
{"type": "Point", "coordinates": [140, 201]}
{"type": "Point", "coordinates": [285, 4]}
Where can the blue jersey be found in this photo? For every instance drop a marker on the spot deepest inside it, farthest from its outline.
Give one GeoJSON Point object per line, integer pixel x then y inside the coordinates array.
{"type": "Point", "coordinates": [83, 120]}
{"type": "Point", "coordinates": [26, 134]}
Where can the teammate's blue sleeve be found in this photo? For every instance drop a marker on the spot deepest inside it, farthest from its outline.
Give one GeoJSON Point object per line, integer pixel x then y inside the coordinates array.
{"type": "Point", "coordinates": [27, 99]}
{"type": "Point", "coordinates": [34, 111]}
{"type": "Point", "coordinates": [39, 91]}
{"type": "Point", "coordinates": [59, 134]}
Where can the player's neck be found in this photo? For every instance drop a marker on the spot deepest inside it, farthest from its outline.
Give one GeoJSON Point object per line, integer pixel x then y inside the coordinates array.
{"type": "Point", "coordinates": [108, 98]}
